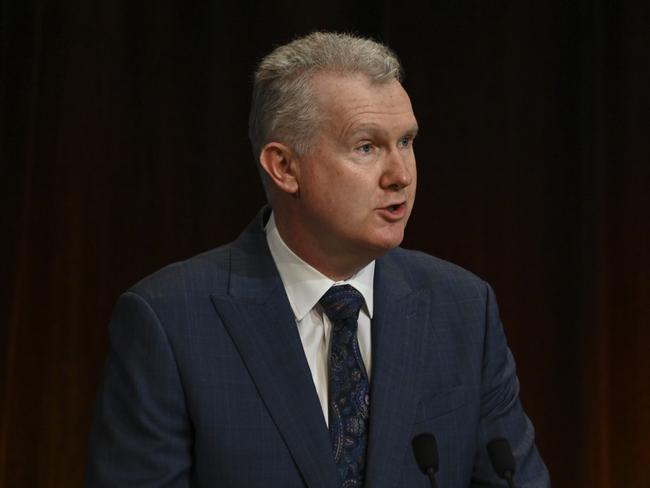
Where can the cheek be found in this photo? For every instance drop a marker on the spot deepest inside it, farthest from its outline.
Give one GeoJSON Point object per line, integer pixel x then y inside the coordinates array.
{"type": "Point", "coordinates": [347, 208]}
{"type": "Point", "coordinates": [349, 190]}
{"type": "Point", "coordinates": [342, 194]}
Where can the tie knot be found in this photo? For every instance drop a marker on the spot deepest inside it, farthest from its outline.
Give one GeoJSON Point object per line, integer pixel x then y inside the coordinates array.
{"type": "Point", "coordinates": [342, 302]}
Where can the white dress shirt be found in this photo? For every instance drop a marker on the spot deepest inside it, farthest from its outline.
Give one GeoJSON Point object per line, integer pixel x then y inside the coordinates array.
{"type": "Point", "coordinates": [305, 286]}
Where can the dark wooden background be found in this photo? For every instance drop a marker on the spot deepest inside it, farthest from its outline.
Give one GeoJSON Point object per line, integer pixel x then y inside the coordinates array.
{"type": "Point", "coordinates": [123, 147]}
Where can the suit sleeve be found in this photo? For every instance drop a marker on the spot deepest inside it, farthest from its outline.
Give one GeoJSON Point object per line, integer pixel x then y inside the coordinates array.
{"type": "Point", "coordinates": [141, 435]}
{"type": "Point", "coordinates": [501, 411]}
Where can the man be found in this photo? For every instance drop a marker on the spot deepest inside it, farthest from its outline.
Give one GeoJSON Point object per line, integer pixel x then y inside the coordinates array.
{"type": "Point", "coordinates": [310, 351]}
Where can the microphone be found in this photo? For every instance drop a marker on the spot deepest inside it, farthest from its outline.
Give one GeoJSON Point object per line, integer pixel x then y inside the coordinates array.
{"type": "Point", "coordinates": [425, 449]}
{"type": "Point", "coordinates": [502, 459]}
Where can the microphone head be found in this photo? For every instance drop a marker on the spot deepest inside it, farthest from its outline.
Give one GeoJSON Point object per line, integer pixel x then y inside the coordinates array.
{"type": "Point", "coordinates": [425, 449]}
{"type": "Point", "coordinates": [501, 457]}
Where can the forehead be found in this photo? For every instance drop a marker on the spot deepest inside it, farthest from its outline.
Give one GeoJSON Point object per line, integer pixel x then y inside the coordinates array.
{"type": "Point", "coordinates": [351, 100]}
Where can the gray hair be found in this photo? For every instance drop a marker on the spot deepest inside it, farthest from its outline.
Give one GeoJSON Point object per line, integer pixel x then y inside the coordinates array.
{"type": "Point", "coordinates": [283, 106]}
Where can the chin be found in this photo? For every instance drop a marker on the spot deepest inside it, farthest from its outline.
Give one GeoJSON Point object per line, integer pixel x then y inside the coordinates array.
{"type": "Point", "coordinates": [385, 243]}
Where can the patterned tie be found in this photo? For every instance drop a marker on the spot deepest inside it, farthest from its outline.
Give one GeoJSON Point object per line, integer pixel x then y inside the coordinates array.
{"type": "Point", "coordinates": [348, 385]}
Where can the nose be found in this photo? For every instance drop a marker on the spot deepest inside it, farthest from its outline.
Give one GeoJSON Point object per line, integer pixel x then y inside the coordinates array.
{"type": "Point", "coordinates": [399, 171]}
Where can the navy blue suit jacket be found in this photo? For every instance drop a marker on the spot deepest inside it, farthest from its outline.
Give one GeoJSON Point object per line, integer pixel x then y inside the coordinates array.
{"type": "Point", "coordinates": [207, 384]}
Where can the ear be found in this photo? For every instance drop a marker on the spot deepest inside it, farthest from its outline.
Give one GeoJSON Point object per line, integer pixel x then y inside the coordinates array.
{"type": "Point", "coordinates": [280, 164]}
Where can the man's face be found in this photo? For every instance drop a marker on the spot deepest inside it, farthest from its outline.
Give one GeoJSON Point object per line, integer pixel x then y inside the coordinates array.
{"type": "Point", "coordinates": [356, 185]}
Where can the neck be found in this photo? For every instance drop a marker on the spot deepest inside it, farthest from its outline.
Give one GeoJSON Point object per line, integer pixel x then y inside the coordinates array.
{"type": "Point", "coordinates": [336, 264]}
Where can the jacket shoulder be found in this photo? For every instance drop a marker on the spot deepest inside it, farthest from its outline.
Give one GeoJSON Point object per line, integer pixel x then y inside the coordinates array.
{"type": "Point", "coordinates": [425, 271]}
{"type": "Point", "coordinates": [204, 273]}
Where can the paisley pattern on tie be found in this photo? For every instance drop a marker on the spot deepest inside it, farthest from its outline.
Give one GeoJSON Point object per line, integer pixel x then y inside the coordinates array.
{"type": "Point", "coordinates": [349, 399]}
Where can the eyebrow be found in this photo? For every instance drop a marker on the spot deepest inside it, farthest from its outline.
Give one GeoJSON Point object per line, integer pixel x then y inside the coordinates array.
{"type": "Point", "coordinates": [371, 127]}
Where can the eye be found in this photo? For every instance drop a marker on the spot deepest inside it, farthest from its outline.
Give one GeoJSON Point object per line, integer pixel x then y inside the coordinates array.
{"type": "Point", "coordinates": [365, 148]}
{"type": "Point", "coordinates": [405, 141]}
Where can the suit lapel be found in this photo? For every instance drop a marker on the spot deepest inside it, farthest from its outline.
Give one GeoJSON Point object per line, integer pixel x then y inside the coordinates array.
{"type": "Point", "coordinates": [258, 317]}
{"type": "Point", "coordinates": [397, 329]}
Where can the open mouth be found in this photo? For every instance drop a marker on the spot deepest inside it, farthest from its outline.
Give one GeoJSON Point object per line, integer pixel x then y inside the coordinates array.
{"type": "Point", "coordinates": [394, 208]}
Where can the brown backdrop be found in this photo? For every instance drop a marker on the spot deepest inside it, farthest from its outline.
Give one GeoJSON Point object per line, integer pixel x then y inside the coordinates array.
{"type": "Point", "coordinates": [123, 147]}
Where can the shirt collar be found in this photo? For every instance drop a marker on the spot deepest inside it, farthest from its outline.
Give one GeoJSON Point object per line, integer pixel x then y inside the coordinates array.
{"type": "Point", "coordinates": [304, 284]}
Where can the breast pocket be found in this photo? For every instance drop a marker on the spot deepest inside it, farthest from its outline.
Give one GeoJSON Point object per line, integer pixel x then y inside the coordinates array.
{"type": "Point", "coordinates": [441, 403]}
